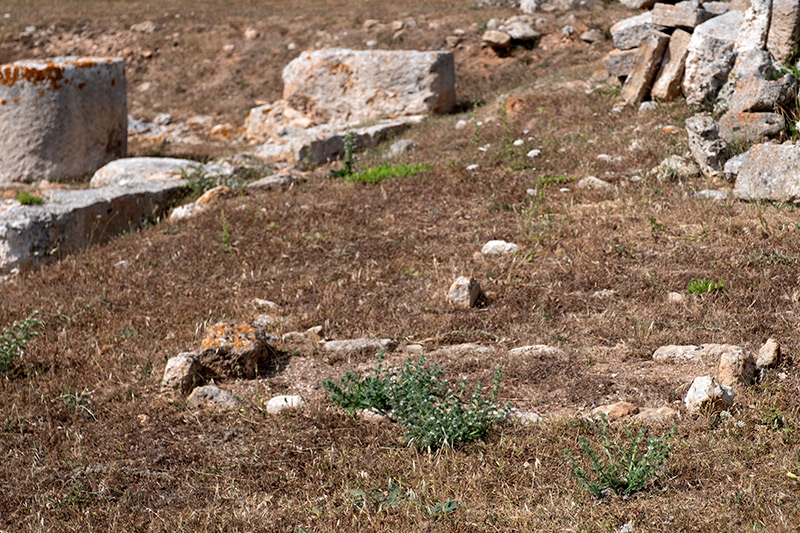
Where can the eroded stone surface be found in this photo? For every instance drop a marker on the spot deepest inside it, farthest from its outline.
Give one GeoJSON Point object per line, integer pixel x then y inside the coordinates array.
{"type": "Point", "coordinates": [628, 33]}
{"type": "Point", "coordinates": [619, 63]}
{"type": "Point", "coordinates": [212, 397]}
{"type": "Point", "coordinates": [707, 395]}
{"type": "Point", "coordinates": [464, 292]}
{"type": "Point", "coordinates": [668, 82]}
{"type": "Point", "coordinates": [236, 350]}
{"type": "Point", "coordinates": [784, 28]}
{"type": "Point", "coordinates": [748, 128]}
{"type": "Point", "coordinates": [645, 67]}
{"type": "Point", "coordinates": [182, 373]}
{"type": "Point", "coordinates": [710, 57]}
{"type": "Point", "coordinates": [769, 172]}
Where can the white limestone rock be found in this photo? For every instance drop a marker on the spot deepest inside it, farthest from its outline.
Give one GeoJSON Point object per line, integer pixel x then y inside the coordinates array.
{"type": "Point", "coordinates": [710, 57]}
{"type": "Point", "coordinates": [707, 395]}
{"type": "Point", "coordinates": [278, 404]}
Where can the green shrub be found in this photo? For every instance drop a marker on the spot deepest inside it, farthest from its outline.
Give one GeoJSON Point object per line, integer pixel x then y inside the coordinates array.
{"type": "Point", "coordinates": [13, 341]}
{"type": "Point", "coordinates": [199, 180]}
{"type": "Point", "coordinates": [26, 198]}
{"type": "Point", "coordinates": [621, 467]}
{"type": "Point", "coordinates": [703, 286]}
{"type": "Point", "coordinates": [349, 161]}
{"type": "Point", "coordinates": [433, 413]}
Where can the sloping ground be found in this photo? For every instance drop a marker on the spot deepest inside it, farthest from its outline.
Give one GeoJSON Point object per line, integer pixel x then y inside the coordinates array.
{"type": "Point", "coordinates": [89, 443]}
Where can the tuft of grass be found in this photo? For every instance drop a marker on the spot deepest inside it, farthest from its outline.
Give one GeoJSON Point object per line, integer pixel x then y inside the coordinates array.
{"type": "Point", "coordinates": [434, 414]}
{"type": "Point", "coordinates": [703, 286]}
{"type": "Point", "coordinates": [26, 198]}
{"type": "Point", "coordinates": [14, 340]}
{"type": "Point", "coordinates": [623, 467]}
{"type": "Point", "coordinates": [199, 180]}
{"type": "Point", "coordinates": [385, 171]}
{"type": "Point", "coordinates": [226, 234]}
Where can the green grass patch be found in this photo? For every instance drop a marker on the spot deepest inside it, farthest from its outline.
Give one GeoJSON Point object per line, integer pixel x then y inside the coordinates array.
{"type": "Point", "coordinates": [703, 286]}
{"type": "Point", "coordinates": [26, 198]}
{"type": "Point", "coordinates": [14, 340]}
{"type": "Point", "coordinates": [385, 171]}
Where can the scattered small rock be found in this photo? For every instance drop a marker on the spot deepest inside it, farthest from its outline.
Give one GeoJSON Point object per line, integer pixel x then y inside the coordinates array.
{"type": "Point", "coordinates": [212, 397]}
{"type": "Point", "coordinates": [593, 183]}
{"type": "Point", "coordinates": [465, 292]}
{"type": "Point", "coordinates": [769, 355]}
{"type": "Point", "coordinates": [736, 367]}
{"type": "Point", "coordinates": [401, 147]}
{"type": "Point", "coordinates": [524, 417]}
{"type": "Point", "coordinates": [675, 298]}
{"type": "Point", "coordinates": [616, 411]}
{"type": "Point", "coordinates": [349, 347]}
{"type": "Point", "coordinates": [182, 373]}
{"type": "Point", "coordinates": [537, 350]}
{"type": "Point", "coordinates": [282, 403]}
{"type": "Point", "coordinates": [499, 247]}
{"type": "Point", "coordinates": [273, 182]}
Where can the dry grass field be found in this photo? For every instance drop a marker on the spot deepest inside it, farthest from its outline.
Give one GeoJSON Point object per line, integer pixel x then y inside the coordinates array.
{"type": "Point", "coordinates": [89, 444]}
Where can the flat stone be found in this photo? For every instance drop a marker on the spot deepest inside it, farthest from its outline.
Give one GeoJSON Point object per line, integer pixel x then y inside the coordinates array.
{"type": "Point", "coordinates": [749, 128]}
{"type": "Point", "coordinates": [753, 94]}
{"type": "Point", "coordinates": [61, 118]}
{"type": "Point", "coordinates": [769, 172]}
{"type": "Point", "coordinates": [645, 67]}
{"type": "Point", "coordinates": [707, 395]}
{"type": "Point", "coordinates": [498, 248]}
{"type": "Point", "coordinates": [769, 355]}
{"type": "Point", "coordinates": [662, 415]}
{"type": "Point", "coordinates": [232, 349]}
{"type": "Point", "coordinates": [537, 6]}
{"type": "Point", "coordinates": [278, 404]}
{"type": "Point", "coordinates": [464, 292]}
{"type": "Point", "coordinates": [681, 15]}
{"type": "Point", "coordinates": [132, 170]}
{"type": "Point", "coordinates": [784, 29]}
{"type": "Point", "coordinates": [667, 86]}
{"type": "Point", "coordinates": [593, 183]}
{"type": "Point", "coordinates": [629, 33]}
{"type": "Point", "coordinates": [679, 353]}
{"type": "Point", "coordinates": [619, 63]}
{"type": "Point", "coordinates": [212, 397]}
{"type": "Point", "coordinates": [536, 350]}
{"type": "Point", "coordinates": [463, 350]}
{"type": "Point", "coordinates": [343, 86]}
{"type": "Point", "coordinates": [71, 220]}
{"type": "Point", "coordinates": [368, 347]}
{"type": "Point", "coordinates": [273, 182]}
{"type": "Point", "coordinates": [749, 69]}
{"type": "Point", "coordinates": [403, 146]}
{"type": "Point", "coordinates": [710, 57]}
{"type": "Point", "coordinates": [676, 167]}
{"type": "Point", "coordinates": [182, 373]}
{"type": "Point", "coordinates": [713, 195]}
{"type": "Point", "coordinates": [521, 29]}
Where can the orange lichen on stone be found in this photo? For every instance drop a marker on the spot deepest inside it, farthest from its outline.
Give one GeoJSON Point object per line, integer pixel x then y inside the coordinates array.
{"type": "Point", "coordinates": [51, 74]}
{"type": "Point", "coordinates": [238, 337]}
{"type": "Point", "coordinates": [341, 67]}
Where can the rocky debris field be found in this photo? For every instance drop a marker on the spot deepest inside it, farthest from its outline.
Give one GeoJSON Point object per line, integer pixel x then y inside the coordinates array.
{"type": "Point", "coordinates": [331, 216]}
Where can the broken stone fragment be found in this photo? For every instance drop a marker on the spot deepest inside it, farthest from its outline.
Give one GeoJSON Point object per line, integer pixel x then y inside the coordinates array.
{"type": "Point", "coordinates": [496, 39]}
{"type": "Point", "coordinates": [182, 373]}
{"type": "Point", "coordinates": [645, 67]}
{"type": "Point", "coordinates": [619, 63]}
{"type": "Point", "coordinates": [769, 355]}
{"type": "Point", "coordinates": [629, 33]}
{"type": "Point", "coordinates": [769, 172]}
{"type": "Point", "coordinates": [736, 367]}
{"type": "Point", "coordinates": [747, 128]}
{"type": "Point", "coordinates": [707, 395]}
{"type": "Point", "coordinates": [499, 248]}
{"type": "Point", "coordinates": [708, 150]}
{"type": "Point", "coordinates": [537, 350]}
{"type": "Point", "coordinates": [681, 15]}
{"type": "Point", "coordinates": [366, 347]}
{"type": "Point", "coordinates": [784, 29]}
{"type": "Point", "coordinates": [667, 86]}
{"type": "Point", "coordinates": [616, 411]}
{"type": "Point", "coordinates": [464, 292]}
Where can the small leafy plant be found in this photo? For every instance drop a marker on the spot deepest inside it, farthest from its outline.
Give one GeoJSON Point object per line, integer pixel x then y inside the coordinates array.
{"type": "Point", "coordinates": [621, 467]}
{"type": "Point", "coordinates": [226, 234]}
{"type": "Point", "coordinates": [26, 198]}
{"type": "Point", "coordinates": [703, 286]}
{"type": "Point", "coordinates": [200, 180]}
{"type": "Point", "coordinates": [433, 413]}
{"type": "Point", "coordinates": [349, 161]}
{"type": "Point", "coordinates": [13, 341]}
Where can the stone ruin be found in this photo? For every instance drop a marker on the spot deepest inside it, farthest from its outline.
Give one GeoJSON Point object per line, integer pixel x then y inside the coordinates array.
{"type": "Point", "coordinates": [66, 118]}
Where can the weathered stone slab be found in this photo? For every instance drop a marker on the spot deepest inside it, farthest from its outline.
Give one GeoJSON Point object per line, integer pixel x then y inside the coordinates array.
{"type": "Point", "coordinates": [61, 118]}
{"type": "Point", "coordinates": [748, 128]}
{"type": "Point", "coordinates": [707, 148]}
{"type": "Point", "coordinates": [717, 8]}
{"type": "Point", "coordinates": [748, 66]}
{"type": "Point", "coordinates": [645, 67]}
{"type": "Point", "coordinates": [755, 27]}
{"type": "Point", "coordinates": [754, 94]}
{"type": "Point", "coordinates": [536, 6]}
{"type": "Point", "coordinates": [629, 32]}
{"type": "Point", "coordinates": [685, 14]}
{"type": "Point", "coordinates": [496, 39]}
{"type": "Point", "coordinates": [638, 4]}
{"type": "Point", "coordinates": [322, 144]}
{"type": "Point", "coordinates": [668, 82]}
{"type": "Point", "coordinates": [342, 85]}
{"type": "Point", "coordinates": [71, 220]}
{"type": "Point", "coordinates": [619, 63]}
{"type": "Point", "coordinates": [784, 29]}
{"type": "Point", "coordinates": [131, 170]}
{"type": "Point", "coordinates": [769, 172]}
{"type": "Point", "coordinates": [707, 395]}
{"type": "Point", "coordinates": [710, 57]}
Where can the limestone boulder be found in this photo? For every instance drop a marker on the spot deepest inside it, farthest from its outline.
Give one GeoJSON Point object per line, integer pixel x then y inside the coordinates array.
{"type": "Point", "coordinates": [645, 67]}
{"type": "Point", "coordinates": [496, 39]}
{"type": "Point", "coordinates": [667, 86]}
{"type": "Point", "coordinates": [464, 292]}
{"type": "Point", "coordinates": [736, 367]}
{"type": "Point", "coordinates": [755, 26]}
{"type": "Point", "coordinates": [769, 172]}
{"type": "Point", "coordinates": [619, 63]}
{"type": "Point", "coordinates": [342, 85]}
{"type": "Point", "coordinates": [710, 57]}
{"type": "Point", "coordinates": [124, 172]}
{"type": "Point", "coordinates": [213, 398]}
{"type": "Point", "coordinates": [182, 373]}
{"type": "Point", "coordinates": [365, 347]}
{"type": "Point", "coordinates": [750, 128]}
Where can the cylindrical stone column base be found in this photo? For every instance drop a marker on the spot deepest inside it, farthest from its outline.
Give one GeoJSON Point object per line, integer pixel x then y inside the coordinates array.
{"type": "Point", "coordinates": [62, 118]}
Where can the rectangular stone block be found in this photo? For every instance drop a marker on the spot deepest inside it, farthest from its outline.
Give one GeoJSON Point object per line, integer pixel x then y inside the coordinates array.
{"type": "Point", "coordinates": [619, 63]}
{"type": "Point", "coordinates": [769, 172]}
{"type": "Point", "coordinates": [668, 82]}
{"type": "Point", "coordinates": [629, 32]}
{"type": "Point", "coordinates": [645, 67]}
{"type": "Point", "coordinates": [681, 15]}
{"type": "Point", "coordinates": [749, 128]}
{"type": "Point", "coordinates": [784, 28]}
